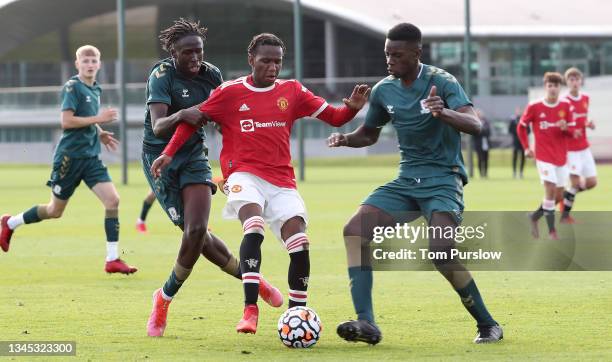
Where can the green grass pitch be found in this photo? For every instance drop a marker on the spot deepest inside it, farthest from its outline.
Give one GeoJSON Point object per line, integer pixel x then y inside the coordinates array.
{"type": "Point", "coordinates": [54, 286]}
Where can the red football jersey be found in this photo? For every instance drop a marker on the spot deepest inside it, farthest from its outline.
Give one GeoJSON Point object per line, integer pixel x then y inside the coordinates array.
{"type": "Point", "coordinates": [581, 111]}
{"type": "Point", "coordinates": [550, 140]}
{"type": "Point", "coordinates": [256, 126]}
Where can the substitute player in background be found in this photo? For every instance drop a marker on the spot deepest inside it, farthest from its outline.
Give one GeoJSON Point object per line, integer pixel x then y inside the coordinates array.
{"type": "Point", "coordinates": [256, 114]}
{"type": "Point", "coordinates": [548, 119]}
{"type": "Point", "coordinates": [185, 190]}
{"type": "Point", "coordinates": [582, 170]}
{"type": "Point", "coordinates": [77, 158]}
{"type": "Point", "coordinates": [429, 110]}
{"type": "Point", "coordinates": [141, 222]}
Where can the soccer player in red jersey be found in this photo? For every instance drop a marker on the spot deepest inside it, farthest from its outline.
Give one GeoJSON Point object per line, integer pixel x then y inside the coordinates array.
{"type": "Point", "coordinates": [579, 157]}
{"type": "Point", "coordinates": [549, 119]}
{"type": "Point", "coordinates": [256, 114]}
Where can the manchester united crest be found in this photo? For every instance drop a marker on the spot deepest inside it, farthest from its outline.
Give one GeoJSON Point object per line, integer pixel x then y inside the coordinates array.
{"type": "Point", "coordinates": [236, 188]}
{"type": "Point", "coordinates": [562, 114]}
{"type": "Point", "coordinates": [282, 103]}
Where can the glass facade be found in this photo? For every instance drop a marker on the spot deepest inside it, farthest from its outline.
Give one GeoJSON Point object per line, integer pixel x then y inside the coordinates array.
{"type": "Point", "coordinates": [26, 134]}
{"type": "Point", "coordinates": [509, 67]}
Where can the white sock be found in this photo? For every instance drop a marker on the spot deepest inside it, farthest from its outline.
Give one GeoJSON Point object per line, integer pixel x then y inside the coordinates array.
{"type": "Point", "coordinates": [165, 296]}
{"type": "Point", "coordinates": [15, 221]}
{"type": "Point", "coordinates": [112, 250]}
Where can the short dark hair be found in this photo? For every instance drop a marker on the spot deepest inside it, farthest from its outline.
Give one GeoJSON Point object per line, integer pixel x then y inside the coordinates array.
{"type": "Point", "coordinates": [265, 39]}
{"type": "Point", "coordinates": [406, 32]}
{"type": "Point", "coordinates": [552, 77]}
{"type": "Point", "coordinates": [181, 28]}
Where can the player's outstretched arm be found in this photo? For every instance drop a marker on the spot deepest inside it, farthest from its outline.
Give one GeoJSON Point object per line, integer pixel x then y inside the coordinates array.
{"type": "Point", "coordinates": [464, 119]}
{"type": "Point", "coordinates": [361, 137]}
{"type": "Point", "coordinates": [69, 120]}
{"type": "Point", "coordinates": [358, 98]}
{"type": "Point", "coordinates": [163, 125]}
{"type": "Point", "coordinates": [339, 116]}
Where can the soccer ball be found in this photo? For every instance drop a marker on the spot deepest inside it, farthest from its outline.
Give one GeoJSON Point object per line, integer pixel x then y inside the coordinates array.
{"type": "Point", "coordinates": [299, 327]}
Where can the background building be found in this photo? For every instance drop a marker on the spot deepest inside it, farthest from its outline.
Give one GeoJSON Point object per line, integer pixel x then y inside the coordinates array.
{"type": "Point", "coordinates": [514, 43]}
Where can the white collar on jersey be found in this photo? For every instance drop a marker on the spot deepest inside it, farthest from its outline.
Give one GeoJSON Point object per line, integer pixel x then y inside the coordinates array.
{"type": "Point", "coordinates": [550, 105]}
{"type": "Point", "coordinates": [420, 70]}
{"type": "Point", "coordinates": [569, 95]}
{"type": "Point", "coordinates": [255, 89]}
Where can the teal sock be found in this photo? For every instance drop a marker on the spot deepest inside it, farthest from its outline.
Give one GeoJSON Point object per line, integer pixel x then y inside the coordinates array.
{"type": "Point", "coordinates": [172, 285]}
{"type": "Point", "coordinates": [361, 291]}
{"type": "Point", "coordinates": [111, 226]}
{"type": "Point", "coordinates": [472, 301]}
{"type": "Point", "coordinates": [31, 216]}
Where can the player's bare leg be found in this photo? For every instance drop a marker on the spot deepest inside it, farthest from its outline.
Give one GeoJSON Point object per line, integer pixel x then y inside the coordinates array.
{"type": "Point", "coordinates": [107, 193]}
{"type": "Point", "coordinates": [196, 203]}
{"type": "Point", "coordinates": [461, 280]}
{"type": "Point", "coordinates": [8, 224]}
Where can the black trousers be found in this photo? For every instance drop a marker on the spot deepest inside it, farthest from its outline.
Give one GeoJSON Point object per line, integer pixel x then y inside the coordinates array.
{"type": "Point", "coordinates": [518, 153]}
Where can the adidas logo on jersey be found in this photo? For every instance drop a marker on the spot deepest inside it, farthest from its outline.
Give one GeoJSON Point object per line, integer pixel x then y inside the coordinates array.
{"type": "Point", "coordinates": [244, 108]}
{"type": "Point", "coordinates": [542, 115]}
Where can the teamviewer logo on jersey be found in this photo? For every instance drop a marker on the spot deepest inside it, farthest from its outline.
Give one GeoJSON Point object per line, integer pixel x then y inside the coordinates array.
{"type": "Point", "coordinates": [246, 125]}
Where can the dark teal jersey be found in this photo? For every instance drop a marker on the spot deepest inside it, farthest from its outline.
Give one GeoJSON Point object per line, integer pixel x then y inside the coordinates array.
{"type": "Point", "coordinates": [166, 85]}
{"type": "Point", "coordinates": [84, 100]}
{"type": "Point", "coordinates": [428, 146]}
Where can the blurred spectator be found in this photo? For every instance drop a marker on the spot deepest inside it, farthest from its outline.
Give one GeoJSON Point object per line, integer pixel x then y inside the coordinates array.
{"type": "Point", "coordinates": [482, 145]}
{"type": "Point", "coordinates": [518, 153]}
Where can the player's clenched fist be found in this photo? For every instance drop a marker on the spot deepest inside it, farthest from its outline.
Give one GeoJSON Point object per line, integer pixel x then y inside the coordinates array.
{"type": "Point", "coordinates": [337, 140]}
{"type": "Point", "coordinates": [159, 164]}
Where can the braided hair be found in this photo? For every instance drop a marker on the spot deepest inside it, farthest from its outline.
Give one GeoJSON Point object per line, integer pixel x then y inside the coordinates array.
{"type": "Point", "coordinates": [181, 28]}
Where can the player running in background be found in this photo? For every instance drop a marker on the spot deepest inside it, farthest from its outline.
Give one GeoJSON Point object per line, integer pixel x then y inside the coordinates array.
{"type": "Point", "coordinates": [256, 114]}
{"type": "Point", "coordinates": [548, 118]}
{"type": "Point", "coordinates": [141, 225]}
{"type": "Point", "coordinates": [429, 109]}
{"type": "Point", "coordinates": [579, 157]}
{"type": "Point", "coordinates": [185, 189]}
{"type": "Point", "coordinates": [76, 159]}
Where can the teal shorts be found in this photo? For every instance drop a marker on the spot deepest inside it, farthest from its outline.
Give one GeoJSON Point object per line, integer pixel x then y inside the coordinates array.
{"type": "Point", "coordinates": [68, 172]}
{"type": "Point", "coordinates": [186, 168]}
{"type": "Point", "coordinates": [424, 195]}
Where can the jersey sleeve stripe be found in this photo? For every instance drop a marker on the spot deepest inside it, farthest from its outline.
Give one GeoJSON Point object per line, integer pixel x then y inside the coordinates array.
{"type": "Point", "coordinates": [321, 109]}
